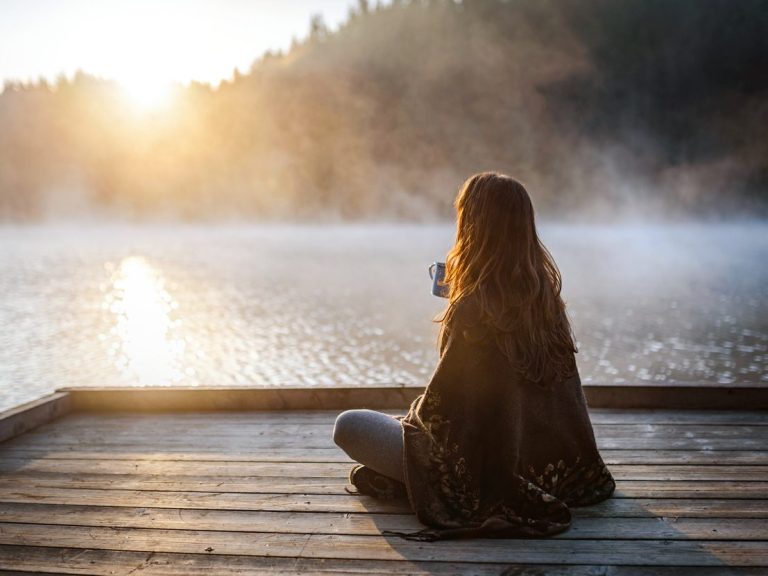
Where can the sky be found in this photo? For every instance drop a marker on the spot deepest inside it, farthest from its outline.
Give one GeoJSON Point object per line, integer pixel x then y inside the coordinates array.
{"type": "Point", "coordinates": [148, 43]}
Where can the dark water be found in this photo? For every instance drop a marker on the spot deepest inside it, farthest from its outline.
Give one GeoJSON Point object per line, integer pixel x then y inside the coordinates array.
{"type": "Point", "coordinates": [345, 305]}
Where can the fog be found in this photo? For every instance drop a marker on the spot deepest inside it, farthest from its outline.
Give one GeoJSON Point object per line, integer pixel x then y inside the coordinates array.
{"type": "Point", "coordinates": [320, 305]}
{"type": "Point", "coordinates": [640, 109]}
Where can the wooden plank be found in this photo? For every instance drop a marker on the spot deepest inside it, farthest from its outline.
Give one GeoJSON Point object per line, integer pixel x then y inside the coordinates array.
{"type": "Point", "coordinates": [124, 563]}
{"type": "Point", "coordinates": [206, 500]}
{"type": "Point", "coordinates": [226, 520]}
{"type": "Point", "coordinates": [183, 541]}
{"type": "Point", "coordinates": [35, 468]}
{"type": "Point", "coordinates": [29, 416]}
{"type": "Point", "coordinates": [258, 421]}
{"type": "Point", "coordinates": [77, 428]}
{"type": "Point", "coordinates": [204, 399]}
{"type": "Point", "coordinates": [733, 458]}
{"type": "Point", "coordinates": [225, 446]}
{"type": "Point", "coordinates": [555, 551]}
{"type": "Point", "coordinates": [677, 395]}
{"type": "Point", "coordinates": [187, 468]}
{"type": "Point", "coordinates": [335, 485]}
{"type": "Point", "coordinates": [598, 416]}
{"type": "Point", "coordinates": [256, 431]}
{"type": "Point", "coordinates": [684, 396]}
{"type": "Point", "coordinates": [648, 528]}
{"type": "Point", "coordinates": [690, 489]}
{"type": "Point", "coordinates": [257, 424]}
{"type": "Point", "coordinates": [238, 485]}
{"type": "Point", "coordinates": [190, 455]}
{"type": "Point", "coordinates": [698, 431]}
{"type": "Point", "coordinates": [549, 551]}
{"type": "Point", "coordinates": [610, 456]}
{"type": "Point", "coordinates": [618, 506]}
{"type": "Point", "coordinates": [672, 507]}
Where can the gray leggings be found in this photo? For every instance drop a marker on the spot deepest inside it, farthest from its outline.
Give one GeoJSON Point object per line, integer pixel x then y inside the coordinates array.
{"type": "Point", "coordinates": [373, 439]}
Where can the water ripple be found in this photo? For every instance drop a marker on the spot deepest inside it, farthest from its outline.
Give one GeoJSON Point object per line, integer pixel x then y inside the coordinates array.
{"type": "Point", "coordinates": [348, 305]}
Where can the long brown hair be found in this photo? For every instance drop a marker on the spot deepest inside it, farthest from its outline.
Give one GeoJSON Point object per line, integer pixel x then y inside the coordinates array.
{"type": "Point", "coordinates": [499, 260]}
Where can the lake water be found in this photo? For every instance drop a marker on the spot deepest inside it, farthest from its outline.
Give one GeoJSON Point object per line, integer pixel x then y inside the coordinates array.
{"type": "Point", "coordinates": [348, 305]}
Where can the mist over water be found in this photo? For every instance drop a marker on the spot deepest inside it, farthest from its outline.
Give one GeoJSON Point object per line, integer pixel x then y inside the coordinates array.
{"type": "Point", "coordinates": [351, 304]}
{"type": "Point", "coordinates": [602, 108]}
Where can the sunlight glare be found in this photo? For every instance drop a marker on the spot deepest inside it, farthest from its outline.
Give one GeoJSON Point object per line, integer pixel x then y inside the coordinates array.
{"type": "Point", "coordinates": [150, 350]}
{"type": "Point", "coordinates": [146, 94]}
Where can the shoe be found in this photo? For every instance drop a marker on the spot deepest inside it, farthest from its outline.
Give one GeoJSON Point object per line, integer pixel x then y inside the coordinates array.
{"type": "Point", "coordinates": [371, 483]}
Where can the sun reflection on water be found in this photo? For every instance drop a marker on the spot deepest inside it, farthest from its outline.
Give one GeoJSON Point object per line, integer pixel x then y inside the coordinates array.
{"type": "Point", "coordinates": [145, 340]}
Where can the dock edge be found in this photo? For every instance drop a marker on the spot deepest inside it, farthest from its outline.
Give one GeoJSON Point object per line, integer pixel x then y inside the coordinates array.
{"type": "Point", "coordinates": [26, 417]}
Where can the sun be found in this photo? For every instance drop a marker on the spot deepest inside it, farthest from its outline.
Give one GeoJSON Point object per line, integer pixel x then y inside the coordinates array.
{"type": "Point", "coordinates": [146, 94]}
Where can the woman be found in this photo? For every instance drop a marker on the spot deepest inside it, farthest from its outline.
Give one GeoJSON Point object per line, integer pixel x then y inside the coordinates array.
{"type": "Point", "coordinates": [500, 444]}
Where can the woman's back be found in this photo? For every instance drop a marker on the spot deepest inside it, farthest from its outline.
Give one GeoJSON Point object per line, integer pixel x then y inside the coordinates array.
{"type": "Point", "coordinates": [489, 453]}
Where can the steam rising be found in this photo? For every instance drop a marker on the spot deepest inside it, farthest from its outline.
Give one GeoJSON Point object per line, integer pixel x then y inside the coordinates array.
{"type": "Point", "coordinates": [603, 108]}
{"type": "Point", "coordinates": [319, 305]}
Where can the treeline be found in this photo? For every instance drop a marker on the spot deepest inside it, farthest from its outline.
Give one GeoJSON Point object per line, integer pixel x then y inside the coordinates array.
{"type": "Point", "coordinates": [601, 107]}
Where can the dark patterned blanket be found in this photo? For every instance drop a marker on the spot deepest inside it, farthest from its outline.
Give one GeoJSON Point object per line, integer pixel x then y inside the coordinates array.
{"type": "Point", "coordinates": [488, 454]}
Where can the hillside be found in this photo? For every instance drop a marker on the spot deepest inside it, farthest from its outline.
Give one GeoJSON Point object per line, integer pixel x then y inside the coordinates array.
{"type": "Point", "coordinates": [635, 107]}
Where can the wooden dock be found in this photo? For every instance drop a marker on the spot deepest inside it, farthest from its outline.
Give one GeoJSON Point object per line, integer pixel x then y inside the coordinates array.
{"type": "Point", "coordinates": [152, 487]}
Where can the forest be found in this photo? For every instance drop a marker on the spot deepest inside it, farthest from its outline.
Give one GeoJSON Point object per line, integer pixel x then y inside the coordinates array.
{"type": "Point", "coordinates": [603, 108]}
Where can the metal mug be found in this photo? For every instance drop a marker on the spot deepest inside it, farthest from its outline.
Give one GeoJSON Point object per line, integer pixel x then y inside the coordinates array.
{"type": "Point", "coordinates": [437, 274]}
